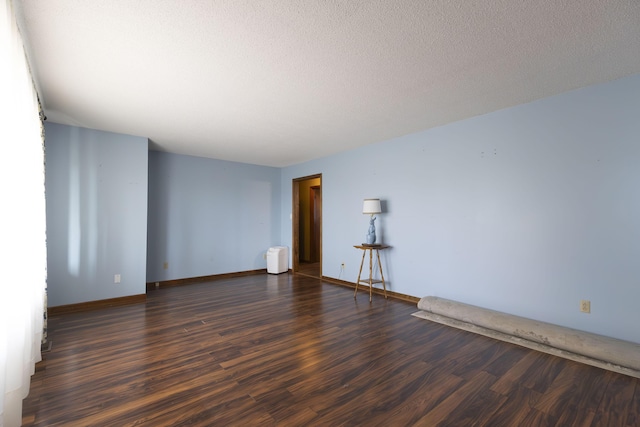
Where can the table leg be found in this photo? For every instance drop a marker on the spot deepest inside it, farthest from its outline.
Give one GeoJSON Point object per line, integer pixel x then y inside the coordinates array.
{"type": "Point", "coordinates": [359, 272]}
{"type": "Point", "coordinates": [370, 274]}
{"type": "Point", "coordinates": [381, 275]}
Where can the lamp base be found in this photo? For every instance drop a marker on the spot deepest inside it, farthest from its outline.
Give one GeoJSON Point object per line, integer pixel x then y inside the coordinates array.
{"type": "Point", "coordinates": [371, 234]}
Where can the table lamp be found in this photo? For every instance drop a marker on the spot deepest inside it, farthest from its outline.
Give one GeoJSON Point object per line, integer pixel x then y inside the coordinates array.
{"type": "Point", "coordinates": [371, 206]}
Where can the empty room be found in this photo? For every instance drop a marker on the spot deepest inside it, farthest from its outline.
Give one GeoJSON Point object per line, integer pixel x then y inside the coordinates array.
{"type": "Point", "coordinates": [385, 213]}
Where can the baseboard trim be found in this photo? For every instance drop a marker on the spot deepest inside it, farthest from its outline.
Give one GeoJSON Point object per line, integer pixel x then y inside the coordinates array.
{"type": "Point", "coordinates": [96, 305]}
{"type": "Point", "coordinates": [377, 291]}
{"type": "Point", "coordinates": [191, 280]}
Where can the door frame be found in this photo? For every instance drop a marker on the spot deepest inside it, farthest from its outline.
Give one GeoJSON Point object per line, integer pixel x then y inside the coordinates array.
{"type": "Point", "coordinates": [295, 221]}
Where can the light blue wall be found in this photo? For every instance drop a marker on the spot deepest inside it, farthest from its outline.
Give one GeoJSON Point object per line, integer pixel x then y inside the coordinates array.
{"type": "Point", "coordinates": [209, 217]}
{"type": "Point", "coordinates": [526, 210]}
{"type": "Point", "coordinates": [96, 190]}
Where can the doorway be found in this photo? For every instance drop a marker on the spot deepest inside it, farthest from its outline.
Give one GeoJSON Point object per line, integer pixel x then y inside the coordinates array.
{"type": "Point", "coordinates": [307, 225]}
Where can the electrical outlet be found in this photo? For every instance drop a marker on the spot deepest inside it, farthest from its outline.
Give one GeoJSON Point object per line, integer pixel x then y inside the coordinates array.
{"type": "Point", "coordinates": [165, 265]}
{"type": "Point", "coordinates": [116, 278]}
{"type": "Point", "coordinates": [585, 306]}
{"type": "Point", "coordinates": [342, 266]}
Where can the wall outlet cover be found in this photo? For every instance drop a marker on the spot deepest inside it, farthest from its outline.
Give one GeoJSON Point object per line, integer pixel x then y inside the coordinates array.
{"type": "Point", "coordinates": [585, 306]}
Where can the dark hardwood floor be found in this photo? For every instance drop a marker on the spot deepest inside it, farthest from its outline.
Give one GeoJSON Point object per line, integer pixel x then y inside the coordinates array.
{"type": "Point", "coordinates": [309, 268]}
{"type": "Point", "coordinates": [291, 351]}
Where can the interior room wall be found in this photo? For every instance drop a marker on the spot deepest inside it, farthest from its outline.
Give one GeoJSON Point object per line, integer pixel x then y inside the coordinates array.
{"type": "Point", "coordinates": [305, 217]}
{"type": "Point", "coordinates": [209, 217]}
{"type": "Point", "coordinates": [96, 196]}
{"type": "Point", "coordinates": [527, 210]}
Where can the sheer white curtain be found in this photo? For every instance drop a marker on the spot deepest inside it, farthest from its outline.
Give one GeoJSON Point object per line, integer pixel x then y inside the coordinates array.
{"type": "Point", "coordinates": [22, 223]}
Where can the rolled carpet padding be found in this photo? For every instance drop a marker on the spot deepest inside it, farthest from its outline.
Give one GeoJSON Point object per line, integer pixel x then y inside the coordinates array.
{"type": "Point", "coordinates": [596, 350]}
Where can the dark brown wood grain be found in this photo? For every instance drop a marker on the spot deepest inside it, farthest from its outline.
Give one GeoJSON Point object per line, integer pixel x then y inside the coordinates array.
{"type": "Point", "coordinates": [96, 305]}
{"type": "Point", "coordinates": [291, 350]}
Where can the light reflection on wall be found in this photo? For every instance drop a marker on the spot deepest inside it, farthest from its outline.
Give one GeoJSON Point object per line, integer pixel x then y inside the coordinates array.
{"type": "Point", "coordinates": [82, 249]}
{"type": "Point", "coordinates": [73, 227]}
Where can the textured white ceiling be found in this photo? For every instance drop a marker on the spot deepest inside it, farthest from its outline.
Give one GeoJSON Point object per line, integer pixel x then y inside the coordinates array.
{"type": "Point", "coordinates": [277, 82]}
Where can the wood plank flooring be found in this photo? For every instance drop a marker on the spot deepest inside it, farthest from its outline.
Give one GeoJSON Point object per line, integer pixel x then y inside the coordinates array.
{"type": "Point", "coordinates": [292, 351]}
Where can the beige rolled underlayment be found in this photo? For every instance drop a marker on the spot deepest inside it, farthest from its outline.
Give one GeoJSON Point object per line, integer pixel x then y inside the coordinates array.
{"type": "Point", "coordinates": [595, 350]}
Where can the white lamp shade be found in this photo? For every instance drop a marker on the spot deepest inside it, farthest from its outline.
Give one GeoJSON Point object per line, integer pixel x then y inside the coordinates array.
{"type": "Point", "coordinates": [371, 206]}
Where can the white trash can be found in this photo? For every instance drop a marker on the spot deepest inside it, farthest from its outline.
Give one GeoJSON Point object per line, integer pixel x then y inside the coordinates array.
{"type": "Point", "coordinates": [277, 260]}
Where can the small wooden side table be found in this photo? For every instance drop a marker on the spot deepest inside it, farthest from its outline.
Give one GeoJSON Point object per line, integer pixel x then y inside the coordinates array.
{"type": "Point", "coordinates": [370, 281]}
